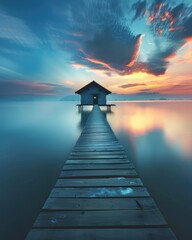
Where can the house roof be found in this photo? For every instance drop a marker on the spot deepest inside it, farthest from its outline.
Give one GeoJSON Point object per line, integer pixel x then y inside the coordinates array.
{"type": "Point", "coordinates": [92, 84]}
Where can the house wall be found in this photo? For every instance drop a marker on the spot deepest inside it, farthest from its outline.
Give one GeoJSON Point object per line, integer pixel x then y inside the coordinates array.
{"type": "Point", "coordinates": [87, 96]}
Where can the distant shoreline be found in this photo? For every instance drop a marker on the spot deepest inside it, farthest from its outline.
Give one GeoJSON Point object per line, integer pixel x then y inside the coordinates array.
{"type": "Point", "coordinates": [75, 100]}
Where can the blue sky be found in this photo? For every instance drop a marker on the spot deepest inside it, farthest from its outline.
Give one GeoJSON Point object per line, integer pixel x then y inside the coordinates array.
{"type": "Point", "coordinates": [53, 47]}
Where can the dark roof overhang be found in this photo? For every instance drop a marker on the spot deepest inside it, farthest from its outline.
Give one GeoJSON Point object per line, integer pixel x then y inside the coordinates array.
{"type": "Point", "coordinates": [93, 83]}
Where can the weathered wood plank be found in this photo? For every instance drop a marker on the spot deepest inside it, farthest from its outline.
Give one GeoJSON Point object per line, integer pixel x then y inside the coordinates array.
{"type": "Point", "coordinates": [98, 161]}
{"type": "Point", "coordinates": [100, 182]}
{"type": "Point", "coordinates": [102, 234]}
{"type": "Point", "coordinates": [98, 148]}
{"type": "Point", "coordinates": [98, 173]}
{"type": "Point", "coordinates": [106, 144]}
{"type": "Point", "coordinates": [97, 166]}
{"type": "Point", "coordinates": [100, 141]}
{"type": "Point", "coordinates": [108, 192]}
{"type": "Point", "coordinates": [85, 219]}
{"type": "Point", "coordinates": [98, 136]}
{"type": "Point", "coordinates": [78, 153]}
{"type": "Point", "coordinates": [79, 157]}
{"type": "Point", "coordinates": [98, 204]}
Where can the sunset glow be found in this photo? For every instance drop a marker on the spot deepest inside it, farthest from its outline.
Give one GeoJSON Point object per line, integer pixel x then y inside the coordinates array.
{"type": "Point", "coordinates": [143, 48]}
{"type": "Point", "coordinates": [143, 119]}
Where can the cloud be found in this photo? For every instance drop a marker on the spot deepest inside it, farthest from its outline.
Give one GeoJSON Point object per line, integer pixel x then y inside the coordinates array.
{"type": "Point", "coordinates": [21, 88]}
{"type": "Point", "coordinates": [114, 53]}
{"type": "Point", "coordinates": [171, 26]}
{"type": "Point", "coordinates": [147, 92]}
{"type": "Point", "coordinates": [15, 31]}
{"type": "Point", "coordinates": [130, 85]}
{"type": "Point", "coordinates": [140, 9]}
{"type": "Point", "coordinates": [103, 41]}
{"type": "Point", "coordinates": [179, 89]}
{"type": "Point", "coordinates": [96, 35]}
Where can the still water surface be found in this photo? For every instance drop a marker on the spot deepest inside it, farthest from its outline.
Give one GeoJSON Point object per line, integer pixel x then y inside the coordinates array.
{"type": "Point", "coordinates": [36, 137]}
{"type": "Point", "coordinates": [158, 139]}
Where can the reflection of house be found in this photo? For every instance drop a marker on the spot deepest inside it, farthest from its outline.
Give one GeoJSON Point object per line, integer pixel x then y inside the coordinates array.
{"type": "Point", "coordinates": [92, 94]}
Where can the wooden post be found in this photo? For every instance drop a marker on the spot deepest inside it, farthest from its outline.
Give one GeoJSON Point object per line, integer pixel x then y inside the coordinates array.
{"type": "Point", "coordinates": [108, 108]}
{"type": "Point", "coordinates": [80, 108]}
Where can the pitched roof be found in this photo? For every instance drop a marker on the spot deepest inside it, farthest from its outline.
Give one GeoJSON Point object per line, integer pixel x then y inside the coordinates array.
{"type": "Point", "coordinates": [92, 84]}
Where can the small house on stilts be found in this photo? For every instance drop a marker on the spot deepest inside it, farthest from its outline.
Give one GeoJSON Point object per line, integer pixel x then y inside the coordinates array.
{"type": "Point", "coordinates": [93, 94]}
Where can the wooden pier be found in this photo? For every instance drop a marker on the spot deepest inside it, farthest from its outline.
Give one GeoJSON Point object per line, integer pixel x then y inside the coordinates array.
{"type": "Point", "coordinates": [108, 106]}
{"type": "Point", "coordinates": [98, 195]}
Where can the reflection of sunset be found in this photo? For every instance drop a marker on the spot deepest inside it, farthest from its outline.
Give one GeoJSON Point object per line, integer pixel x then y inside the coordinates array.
{"type": "Point", "coordinates": [141, 118]}
{"type": "Point", "coordinates": [143, 121]}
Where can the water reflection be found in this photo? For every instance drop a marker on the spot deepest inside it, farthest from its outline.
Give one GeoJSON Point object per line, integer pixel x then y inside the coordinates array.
{"type": "Point", "coordinates": [172, 118]}
{"type": "Point", "coordinates": [158, 139]}
{"type": "Point", "coordinates": [84, 114]}
{"type": "Point", "coordinates": [35, 139]}
{"type": "Point", "coordinates": [83, 119]}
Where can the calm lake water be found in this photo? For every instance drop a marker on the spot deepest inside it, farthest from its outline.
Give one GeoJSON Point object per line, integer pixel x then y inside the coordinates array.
{"type": "Point", "coordinates": [36, 137]}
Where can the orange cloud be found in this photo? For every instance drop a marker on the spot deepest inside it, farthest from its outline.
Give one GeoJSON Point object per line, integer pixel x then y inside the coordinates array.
{"type": "Point", "coordinates": [136, 52]}
{"type": "Point", "coordinates": [159, 30]}
{"type": "Point", "coordinates": [68, 82]}
{"type": "Point", "coordinates": [171, 29]}
{"type": "Point", "coordinates": [184, 55]}
{"type": "Point", "coordinates": [78, 65]}
{"type": "Point", "coordinates": [151, 18]}
{"type": "Point", "coordinates": [100, 63]}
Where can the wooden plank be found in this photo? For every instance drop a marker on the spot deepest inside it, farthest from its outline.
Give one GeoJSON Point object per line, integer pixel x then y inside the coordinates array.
{"type": "Point", "coordinates": [100, 182]}
{"type": "Point", "coordinates": [116, 146]}
{"type": "Point", "coordinates": [98, 173]}
{"type": "Point", "coordinates": [102, 234]}
{"type": "Point", "coordinates": [98, 161]}
{"type": "Point", "coordinates": [79, 157]}
{"type": "Point", "coordinates": [108, 192]}
{"type": "Point", "coordinates": [90, 129]}
{"type": "Point", "coordinates": [98, 204]}
{"type": "Point", "coordinates": [85, 219]}
{"type": "Point", "coordinates": [78, 153]}
{"type": "Point", "coordinates": [108, 140]}
{"type": "Point", "coordinates": [98, 166]}
{"type": "Point", "coordinates": [107, 144]}
{"type": "Point", "coordinates": [98, 145]}
{"type": "Point", "coordinates": [89, 150]}
{"type": "Point", "coordinates": [89, 141]}
{"type": "Point", "coordinates": [98, 136]}
{"type": "Point", "coordinates": [95, 149]}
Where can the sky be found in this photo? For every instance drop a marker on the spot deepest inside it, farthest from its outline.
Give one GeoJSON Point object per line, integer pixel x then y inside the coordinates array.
{"type": "Point", "coordinates": [52, 48]}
